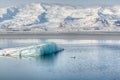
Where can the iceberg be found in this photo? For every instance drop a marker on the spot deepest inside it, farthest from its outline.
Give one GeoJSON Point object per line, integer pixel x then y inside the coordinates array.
{"type": "Point", "coordinates": [32, 51]}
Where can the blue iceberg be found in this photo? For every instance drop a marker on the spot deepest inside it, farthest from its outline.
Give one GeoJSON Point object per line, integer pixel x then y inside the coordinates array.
{"type": "Point", "coordinates": [32, 51]}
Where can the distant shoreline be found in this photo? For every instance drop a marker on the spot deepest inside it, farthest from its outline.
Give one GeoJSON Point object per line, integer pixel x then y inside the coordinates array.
{"type": "Point", "coordinates": [89, 35]}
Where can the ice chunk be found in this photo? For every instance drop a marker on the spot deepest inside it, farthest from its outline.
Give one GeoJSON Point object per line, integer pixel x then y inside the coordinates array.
{"type": "Point", "coordinates": [31, 51]}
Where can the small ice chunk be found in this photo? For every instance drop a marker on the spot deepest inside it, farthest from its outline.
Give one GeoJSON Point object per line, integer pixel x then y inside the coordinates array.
{"type": "Point", "coordinates": [31, 51]}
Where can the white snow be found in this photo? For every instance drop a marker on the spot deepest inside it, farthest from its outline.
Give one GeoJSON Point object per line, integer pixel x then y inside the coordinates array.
{"type": "Point", "coordinates": [31, 51]}
{"type": "Point", "coordinates": [51, 17]}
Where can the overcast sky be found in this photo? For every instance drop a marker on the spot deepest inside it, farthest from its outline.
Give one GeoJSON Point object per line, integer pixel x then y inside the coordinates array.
{"type": "Point", "coordinates": [5, 3]}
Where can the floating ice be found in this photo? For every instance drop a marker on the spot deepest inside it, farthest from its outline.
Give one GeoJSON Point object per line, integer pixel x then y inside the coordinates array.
{"type": "Point", "coordinates": [31, 51]}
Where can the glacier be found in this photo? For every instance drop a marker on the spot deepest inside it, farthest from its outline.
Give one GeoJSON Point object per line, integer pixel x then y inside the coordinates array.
{"type": "Point", "coordinates": [42, 17]}
{"type": "Point", "coordinates": [32, 51]}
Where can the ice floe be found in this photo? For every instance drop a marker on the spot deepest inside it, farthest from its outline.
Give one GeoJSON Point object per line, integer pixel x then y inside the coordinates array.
{"type": "Point", "coordinates": [32, 51]}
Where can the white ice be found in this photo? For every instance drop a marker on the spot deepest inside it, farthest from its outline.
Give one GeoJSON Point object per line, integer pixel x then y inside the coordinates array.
{"type": "Point", "coordinates": [31, 51]}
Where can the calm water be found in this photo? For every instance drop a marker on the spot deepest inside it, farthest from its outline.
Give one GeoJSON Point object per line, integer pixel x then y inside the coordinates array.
{"type": "Point", "coordinates": [81, 60]}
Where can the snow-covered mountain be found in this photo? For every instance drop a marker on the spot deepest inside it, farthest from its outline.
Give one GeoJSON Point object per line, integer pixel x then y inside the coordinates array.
{"type": "Point", "coordinates": [51, 17]}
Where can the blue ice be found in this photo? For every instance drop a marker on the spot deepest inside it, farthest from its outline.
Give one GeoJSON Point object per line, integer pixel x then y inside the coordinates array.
{"type": "Point", "coordinates": [32, 51]}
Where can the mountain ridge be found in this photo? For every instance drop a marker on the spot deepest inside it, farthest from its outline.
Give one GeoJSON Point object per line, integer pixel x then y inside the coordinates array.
{"type": "Point", "coordinates": [53, 17]}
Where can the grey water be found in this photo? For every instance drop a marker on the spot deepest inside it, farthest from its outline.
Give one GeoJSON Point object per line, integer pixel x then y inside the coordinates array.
{"type": "Point", "coordinates": [81, 60]}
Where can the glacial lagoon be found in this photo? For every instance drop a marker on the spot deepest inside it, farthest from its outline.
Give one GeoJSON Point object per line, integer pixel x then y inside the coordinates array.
{"type": "Point", "coordinates": [80, 60]}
